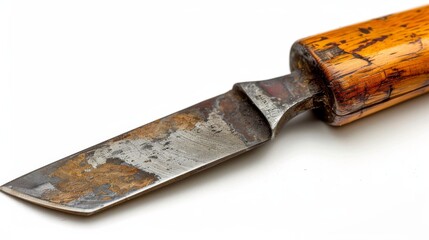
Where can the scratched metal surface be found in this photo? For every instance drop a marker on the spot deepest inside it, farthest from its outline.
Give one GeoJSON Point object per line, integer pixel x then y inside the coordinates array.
{"type": "Point", "coordinates": [147, 157]}
{"type": "Point", "coordinates": [170, 148]}
{"type": "Point", "coordinates": [282, 98]}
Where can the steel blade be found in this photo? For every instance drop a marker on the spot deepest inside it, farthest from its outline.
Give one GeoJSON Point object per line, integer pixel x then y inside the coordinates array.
{"type": "Point", "coordinates": [170, 148]}
{"type": "Point", "coordinates": [146, 158]}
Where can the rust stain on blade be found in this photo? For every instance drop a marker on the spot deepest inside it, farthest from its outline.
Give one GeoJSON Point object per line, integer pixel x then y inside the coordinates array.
{"type": "Point", "coordinates": [77, 179]}
{"type": "Point", "coordinates": [160, 128]}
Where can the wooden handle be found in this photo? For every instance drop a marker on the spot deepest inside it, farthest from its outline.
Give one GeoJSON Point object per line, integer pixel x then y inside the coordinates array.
{"type": "Point", "coordinates": [369, 66]}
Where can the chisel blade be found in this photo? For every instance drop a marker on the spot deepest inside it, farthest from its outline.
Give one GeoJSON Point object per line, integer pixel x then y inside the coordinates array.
{"type": "Point", "coordinates": [170, 148]}
{"type": "Point", "coordinates": [147, 157]}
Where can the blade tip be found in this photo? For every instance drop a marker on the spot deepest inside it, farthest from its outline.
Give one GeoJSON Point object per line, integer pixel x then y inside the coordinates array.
{"type": "Point", "coordinates": [72, 210]}
{"type": "Point", "coordinates": [5, 189]}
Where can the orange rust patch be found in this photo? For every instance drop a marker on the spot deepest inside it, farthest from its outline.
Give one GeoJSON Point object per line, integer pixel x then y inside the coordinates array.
{"type": "Point", "coordinates": [78, 178]}
{"type": "Point", "coordinates": [160, 128]}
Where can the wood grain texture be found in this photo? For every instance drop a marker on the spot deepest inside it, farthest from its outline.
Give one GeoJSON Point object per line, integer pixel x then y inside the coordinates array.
{"type": "Point", "coordinates": [369, 66]}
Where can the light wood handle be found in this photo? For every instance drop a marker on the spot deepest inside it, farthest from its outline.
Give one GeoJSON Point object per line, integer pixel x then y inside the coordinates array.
{"type": "Point", "coordinates": [368, 66]}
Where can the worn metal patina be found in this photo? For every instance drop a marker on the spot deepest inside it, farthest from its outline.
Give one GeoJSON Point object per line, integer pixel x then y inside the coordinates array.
{"type": "Point", "coordinates": [166, 150]}
{"type": "Point", "coordinates": [282, 98]}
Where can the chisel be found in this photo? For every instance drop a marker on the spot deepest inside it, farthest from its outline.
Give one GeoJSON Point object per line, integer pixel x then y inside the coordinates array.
{"type": "Point", "coordinates": [343, 75]}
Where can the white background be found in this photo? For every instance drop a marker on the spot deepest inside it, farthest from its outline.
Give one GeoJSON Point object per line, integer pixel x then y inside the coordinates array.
{"type": "Point", "coordinates": [74, 73]}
